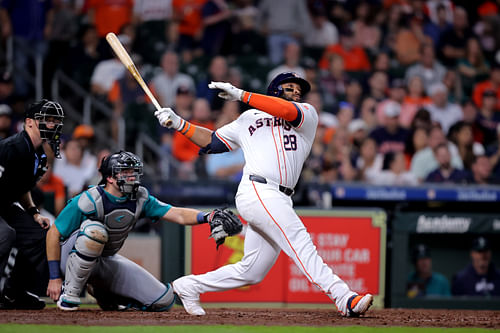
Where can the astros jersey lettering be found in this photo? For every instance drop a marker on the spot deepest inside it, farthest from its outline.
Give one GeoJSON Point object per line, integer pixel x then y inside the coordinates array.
{"type": "Point", "coordinates": [273, 148]}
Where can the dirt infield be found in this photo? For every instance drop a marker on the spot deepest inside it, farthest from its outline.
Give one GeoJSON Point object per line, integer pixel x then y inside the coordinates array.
{"type": "Point", "coordinates": [266, 317]}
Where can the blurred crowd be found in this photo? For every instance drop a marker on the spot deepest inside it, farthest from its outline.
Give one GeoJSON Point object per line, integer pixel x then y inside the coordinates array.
{"type": "Point", "coordinates": [407, 91]}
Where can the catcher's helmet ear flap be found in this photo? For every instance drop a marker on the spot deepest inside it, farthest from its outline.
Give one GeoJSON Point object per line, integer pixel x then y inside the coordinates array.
{"type": "Point", "coordinates": [275, 89]}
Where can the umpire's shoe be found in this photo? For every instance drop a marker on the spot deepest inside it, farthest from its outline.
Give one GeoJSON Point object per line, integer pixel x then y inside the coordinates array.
{"type": "Point", "coordinates": [357, 305]}
{"type": "Point", "coordinates": [21, 301]}
{"type": "Point", "coordinates": [189, 297]}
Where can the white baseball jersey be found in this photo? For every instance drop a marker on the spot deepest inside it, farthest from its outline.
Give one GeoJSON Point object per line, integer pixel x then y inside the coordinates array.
{"type": "Point", "coordinates": [273, 148]}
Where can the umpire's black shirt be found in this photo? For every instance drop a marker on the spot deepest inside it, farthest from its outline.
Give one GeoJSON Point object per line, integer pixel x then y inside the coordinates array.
{"type": "Point", "coordinates": [21, 166]}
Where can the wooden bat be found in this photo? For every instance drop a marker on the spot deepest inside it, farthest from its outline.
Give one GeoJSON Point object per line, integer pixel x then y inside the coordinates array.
{"type": "Point", "coordinates": [122, 54]}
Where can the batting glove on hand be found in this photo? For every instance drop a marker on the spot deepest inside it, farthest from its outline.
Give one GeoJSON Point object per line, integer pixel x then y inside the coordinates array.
{"type": "Point", "coordinates": [229, 92]}
{"type": "Point", "coordinates": [168, 118]}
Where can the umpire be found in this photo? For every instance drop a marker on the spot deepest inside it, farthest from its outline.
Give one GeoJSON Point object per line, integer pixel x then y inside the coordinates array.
{"type": "Point", "coordinates": [23, 161]}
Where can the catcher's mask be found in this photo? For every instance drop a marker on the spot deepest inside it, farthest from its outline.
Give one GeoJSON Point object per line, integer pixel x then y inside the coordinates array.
{"type": "Point", "coordinates": [50, 116]}
{"type": "Point", "coordinates": [126, 168]}
{"type": "Point", "coordinates": [275, 88]}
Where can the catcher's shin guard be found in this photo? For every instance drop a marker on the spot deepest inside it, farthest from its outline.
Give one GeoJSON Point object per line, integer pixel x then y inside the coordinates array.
{"type": "Point", "coordinates": [88, 247]}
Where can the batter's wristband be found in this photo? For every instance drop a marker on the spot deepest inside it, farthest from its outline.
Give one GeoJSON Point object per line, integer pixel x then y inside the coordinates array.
{"type": "Point", "coordinates": [54, 272]}
{"type": "Point", "coordinates": [246, 97]}
{"type": "Point", "coordinates": [187, 129]}
{"type": "Point", "coordinates": [202, 218]}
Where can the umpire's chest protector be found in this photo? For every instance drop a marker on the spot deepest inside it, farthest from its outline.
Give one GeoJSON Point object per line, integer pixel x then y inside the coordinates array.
{"type": "Point", "coordinates": [118, 217]}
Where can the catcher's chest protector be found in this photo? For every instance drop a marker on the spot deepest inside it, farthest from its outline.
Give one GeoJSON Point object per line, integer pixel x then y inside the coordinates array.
{"type": "Point", "coordinates": [118, 217]}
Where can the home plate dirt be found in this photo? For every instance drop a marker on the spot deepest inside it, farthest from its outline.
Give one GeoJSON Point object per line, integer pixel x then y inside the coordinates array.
{"type": "Point", "coordinates": [252, 317]}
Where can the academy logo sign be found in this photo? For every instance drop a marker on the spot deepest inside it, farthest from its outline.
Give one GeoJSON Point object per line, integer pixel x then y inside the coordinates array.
{"type": "Point", "coordinates": [443, 224]}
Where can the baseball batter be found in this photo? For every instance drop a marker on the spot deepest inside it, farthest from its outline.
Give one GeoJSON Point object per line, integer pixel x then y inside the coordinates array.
{"type": "Point", "coordinates": [93, 227]}
{"type": "Point", "coordinates": [276, 137]}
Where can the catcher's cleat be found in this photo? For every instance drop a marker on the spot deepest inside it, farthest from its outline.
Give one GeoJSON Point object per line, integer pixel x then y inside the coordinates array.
{"type": "Point", "coordinates": [357, 305]}
{"type": "Point", "coordinates": [190, 299]}
{"type": "Point", "coordinates": [67, 305]}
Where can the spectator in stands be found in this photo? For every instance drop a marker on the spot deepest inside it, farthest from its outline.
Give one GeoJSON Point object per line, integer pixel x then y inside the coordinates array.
{"type": "Point", "coordinates": [453, 42]}
{"type": "Point", "coordinates": [418, 139]}
{"type": "Point", "coordinates": [282, 25]}
{"type": "Point", "coordinates": [367, 112]}
{"type": "Point", "coordinates": [424, 282]}
{"type": "Point", "coordinates": [435, 29]}
{"type": "Point", "coordinates": [109, 16]}
{"type": "Point", "coordinates": [85, 136]}
{"type": "Point", "coordinates": [246, 39]}
{"type": "Point", "coordinates": [5, 121]}
{"type": "Point", "coordinates": [354, 94]}
{"type": "Point", "coordinates": [345, 115]}
{"type": "Point", "coordinates": [488, 119]}
{"type": "Point", "coordinates": [322, 32]}
{"type": "Point", "coordinates": [70, 169]}
{"type": "Point", "coordinates": [219, 72]}
{"type": "Point", "coordinates": [369, 160]}
{"type": "Point", "coordinates": [337, 163]}
{"type": "Point", "coordinates": [482, 171]}
{"type": "Point", "coordinates": [291, 64]}
{"type": "Point", "coordinates": [413, 101]}
{"type": "Point", "coordinates": [446, 173]}
{"type": "Point", "coordinates": [480, 277]}
{"type": "Point", "coordinates": [229, 165]}
{"type": "Point", "coordinates": [408, 41]}
{"type": "Point", "coordinates": [153, 20]}
{"type": "Point", "coordinates": [393, 171]}
{"type": "Point", "coordinates": [358, 132]}
{"type": "Point", "coordinates": [166, 83]}
{"type": "Point", "coordinates": [62, 30]}
{"type": "Point", "coordinates": [6, 88]}
{"type": "Point", "coordinates": [461, 135]}
{"type": "Point", "coordinates": [378, 84]}
{"type": "Point", "coordinates": [453, 83]}
{"type": "Point", "coordinates": [493, 152]}
{"type": "Point", "coordinates": [366, 33]}
{"type": "Point", "coordinates": [184, 150]}
{"type": "Point", "coordinates": [473, 67]}
{"type": "Point", "coordinates": [355, 57]}
{"type": "Point", "coordinates": [397, 94]}
{"type": "Point", "coordinates": [443, 112]}
{"type": "Point", "coordinates": [493, 83]}
{"type": "Point", "coordinates": [424, 161]}
{"type": "Point", "coordinates": [108, 71]}
{"type": "Point", "coordinates": [333, 83]}
{"type": "Point", "coordinates": [428, 68]}
{"type": "Point", "coordinates": [188, 17]}
{"type": "Point", "coordinates": [83, 56]}
{"type": "Point", "coordinates": [390, 137]}
{"type": "Point", "coordinates": [216, 27]}
{"type": "Point", "coordinates": [28, 37]}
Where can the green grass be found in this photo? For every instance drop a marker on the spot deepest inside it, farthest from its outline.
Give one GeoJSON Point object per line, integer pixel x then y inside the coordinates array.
{"type": "Point", "coordinates": [17, 328]}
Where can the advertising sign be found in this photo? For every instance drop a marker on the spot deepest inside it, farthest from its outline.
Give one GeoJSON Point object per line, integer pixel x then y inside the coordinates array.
{"type": "Point", "coordinates": [351, 242]}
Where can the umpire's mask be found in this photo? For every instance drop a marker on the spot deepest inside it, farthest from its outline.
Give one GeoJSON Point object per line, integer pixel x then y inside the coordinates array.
{"type": "Point", "coordinates": [50, 116]}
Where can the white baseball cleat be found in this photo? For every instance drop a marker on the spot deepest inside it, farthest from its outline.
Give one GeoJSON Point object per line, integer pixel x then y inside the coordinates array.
{"type": "Point", "coordinates": [190, 298]}
{"type": "Point", "coordinates": [357, 305]}
{"type": "Point", "coordinates": [66, 305]}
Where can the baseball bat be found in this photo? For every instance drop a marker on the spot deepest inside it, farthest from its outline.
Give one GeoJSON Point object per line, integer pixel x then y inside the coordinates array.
{"type": "Point", "coordinates": [124, 57]}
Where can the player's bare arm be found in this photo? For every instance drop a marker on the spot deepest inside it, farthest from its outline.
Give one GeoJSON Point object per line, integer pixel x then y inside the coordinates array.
{"type": "Point", "coordinates": [184, 216]}
{"type": "Point", "coordinates": [53, 258]}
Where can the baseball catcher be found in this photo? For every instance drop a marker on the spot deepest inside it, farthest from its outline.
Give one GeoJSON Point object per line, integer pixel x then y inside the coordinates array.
{"type": "Point", "coordinates": [82, 244]}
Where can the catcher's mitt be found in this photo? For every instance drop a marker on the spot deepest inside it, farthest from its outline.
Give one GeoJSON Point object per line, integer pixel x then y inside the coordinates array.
{"type": "Point", "coordinates": [223, 223]}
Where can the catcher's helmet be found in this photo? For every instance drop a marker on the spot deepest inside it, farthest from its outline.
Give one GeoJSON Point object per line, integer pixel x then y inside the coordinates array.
{"type": "Point", "coordinates": [113, 165]}
{"type": "Point", "coordinates": [45, 112]}
{"type": "Point", "coordinates": [275, 89]}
